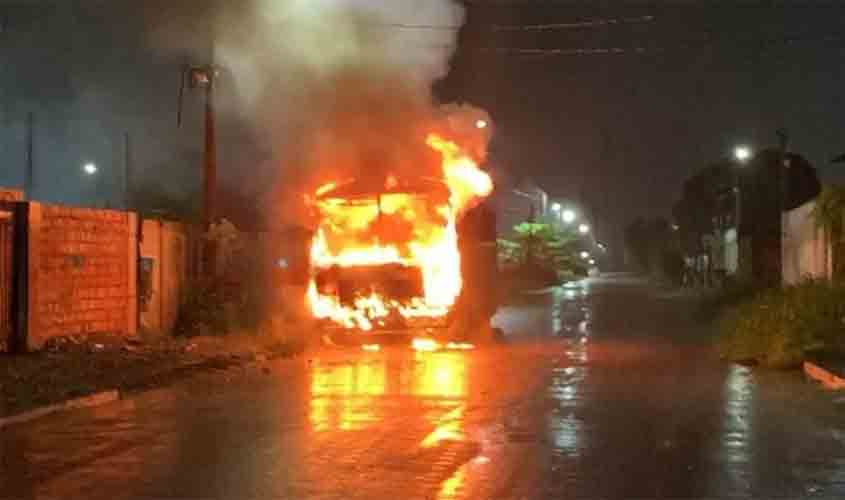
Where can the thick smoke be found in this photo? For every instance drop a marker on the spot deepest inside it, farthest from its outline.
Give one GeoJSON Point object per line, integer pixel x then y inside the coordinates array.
{"type": "Point", "coordinates": [338, 89]}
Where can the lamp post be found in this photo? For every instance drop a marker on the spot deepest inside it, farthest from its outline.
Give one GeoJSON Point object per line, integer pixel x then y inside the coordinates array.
{"type": "Point", "coordinates": [90, 169]}
{"type": "Point", "coordinates": [742, 154]}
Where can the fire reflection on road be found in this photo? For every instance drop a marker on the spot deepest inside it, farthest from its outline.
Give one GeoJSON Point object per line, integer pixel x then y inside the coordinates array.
{"type": "Point", "coordinates": [344, 394]}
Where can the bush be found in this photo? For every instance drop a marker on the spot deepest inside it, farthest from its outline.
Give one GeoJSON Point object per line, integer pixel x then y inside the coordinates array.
{"type": "Point", "coordinates": [779, 328]}
{"type": "Point", "coordinates": [204, 311]}
{"type": "Point", "coordinates": [731, 294]}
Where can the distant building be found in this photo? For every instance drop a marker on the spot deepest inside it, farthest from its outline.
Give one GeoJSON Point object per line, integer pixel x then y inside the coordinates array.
{"type": "Point", "coordinates": [762, 185]}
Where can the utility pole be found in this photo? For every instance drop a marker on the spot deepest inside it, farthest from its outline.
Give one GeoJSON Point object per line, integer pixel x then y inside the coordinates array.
{"type": "Point", "coordinates": [204, 77]}
{"type": "Point", "coordinates": [210, 163]}
{"type": "Point", "coordinates": [30, 160]}
{"type": "Point", "coordinates": [783, 167]}
{"type": "Point", "coordinates": [127, 168]}
{"type": "Point", "coordinates": [783, 190]}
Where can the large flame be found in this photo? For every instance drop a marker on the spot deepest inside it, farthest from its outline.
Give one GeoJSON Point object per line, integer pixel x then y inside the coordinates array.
{"type": "Point", "coordinates": [397, 226]}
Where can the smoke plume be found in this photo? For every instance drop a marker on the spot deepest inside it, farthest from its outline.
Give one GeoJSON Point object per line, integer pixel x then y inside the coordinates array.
{"type": "Point", "coordinates": [339, 89]}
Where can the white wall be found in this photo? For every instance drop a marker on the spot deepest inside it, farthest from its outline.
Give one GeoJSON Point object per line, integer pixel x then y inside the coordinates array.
{"type": "Point", "coordinates": [806, 250]}
{"type": "Point", "coordinates": [731, 251]}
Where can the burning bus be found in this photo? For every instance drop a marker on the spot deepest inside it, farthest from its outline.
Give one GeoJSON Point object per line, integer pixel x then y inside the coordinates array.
{"type": "Point", "coordinates": [405, 255]}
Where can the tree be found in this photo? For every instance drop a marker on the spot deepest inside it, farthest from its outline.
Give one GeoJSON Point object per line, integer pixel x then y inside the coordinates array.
{"type": "Point", "coordinates": [541, 248]}
{"type": "Point", "coordinates": [706, 199]}
{"type": "Point", "coordinates": [653, 244]}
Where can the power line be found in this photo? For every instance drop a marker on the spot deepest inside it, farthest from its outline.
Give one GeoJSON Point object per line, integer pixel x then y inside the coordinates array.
{"type": "Point", "coordinates": [591, 23]}
{"type": "Point", "coordinates": [788, 41]}
{"type": "Point", "coordinates": [431, 27]}
{"type": "Point", "coordinates": [589, 51]}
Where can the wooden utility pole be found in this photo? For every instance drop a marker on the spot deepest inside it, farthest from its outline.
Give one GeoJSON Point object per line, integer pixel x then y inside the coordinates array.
{"type": "Point", "coordinates": [30, 159]}
{"type": "Point", "coordinates": [204, 77]}
{"type": "Point", "coordinates": [210, 163]}
{"type": "Point", "coordinates": [127, 169]}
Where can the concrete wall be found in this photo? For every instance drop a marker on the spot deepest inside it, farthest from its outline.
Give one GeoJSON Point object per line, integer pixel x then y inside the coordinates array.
{"type": "Point", "coordinates": [165, 252]}
{"type": "Point", "coordinates": [731, 251]}
{"type": "Point", "coordinates": [806, 248]}
{"type": "Point", "coordinates": [82, 272]}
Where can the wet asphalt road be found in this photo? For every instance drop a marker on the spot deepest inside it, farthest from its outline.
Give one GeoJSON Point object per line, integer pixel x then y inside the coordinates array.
{"type": "Point", "coordinates": [603, 390]}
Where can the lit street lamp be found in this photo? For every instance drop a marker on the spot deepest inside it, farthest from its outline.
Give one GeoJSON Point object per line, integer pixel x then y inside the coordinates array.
{"type": "Point", "coordinates": [584, 229]}
{"type": "Point", "coordinates": [742, 153]}
{"type": "Point", "coordinates": [568, 216]}
{"type": "Point", "coordinates": [592, 262]}
{"type": "Point", "coordinates": [585, 255]}
{"type": "Point", "coordinates": [89, 168]}
{"type": "Point", "coordinates": [556, 207]}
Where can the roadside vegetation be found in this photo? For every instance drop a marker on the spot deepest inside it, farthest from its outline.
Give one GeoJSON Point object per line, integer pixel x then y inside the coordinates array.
{"type": "Point", "coordinates": [781, 327]}
{"type": "Point", "coordinates": [540, 255]}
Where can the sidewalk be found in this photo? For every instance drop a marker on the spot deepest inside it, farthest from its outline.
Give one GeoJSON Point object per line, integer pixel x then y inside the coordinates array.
{"type": "Point", "coordinates": [75, 368]}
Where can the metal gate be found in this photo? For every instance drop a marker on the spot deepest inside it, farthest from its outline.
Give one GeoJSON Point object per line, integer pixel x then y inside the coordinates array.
{"type": "Point", "coordinates": [7, 248]}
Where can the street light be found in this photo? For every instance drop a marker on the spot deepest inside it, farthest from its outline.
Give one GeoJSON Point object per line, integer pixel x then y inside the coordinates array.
{"type": "Point", "coordinates": [480, 124]}
{"type": "Point", "coordinates": [89, 168]}
{"type": "Point", "coordinates": [556, 207]}
{"type": "Point", "coordinates": [568, 216]}
{"type": "Point", "coordinates": [584, 229]}
{"type": "Point", "coordinates": [585, 255]}
{"type": "Point", "coordinates": [592, 262]}
{"type": "Point", "coordinates": [742, 153]}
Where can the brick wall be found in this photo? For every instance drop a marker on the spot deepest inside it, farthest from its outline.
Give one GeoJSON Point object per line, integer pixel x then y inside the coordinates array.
{"type": "Point", "coordinates": [10, 194]}
{"type": "Point", "coordinates": [81, 272]}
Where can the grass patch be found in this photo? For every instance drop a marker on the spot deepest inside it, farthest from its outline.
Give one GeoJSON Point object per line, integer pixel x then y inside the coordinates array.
{"type": "Point", "coordinates": [781, 327]}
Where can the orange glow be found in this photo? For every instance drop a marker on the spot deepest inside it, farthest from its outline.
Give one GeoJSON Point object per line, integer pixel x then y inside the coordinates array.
{"type": "Point", "coordinates": [460, 346]}
{"type": "Point", "coordinates": [450, 487]}
{"type": "Point", "coordinates": [407, 222]}
{"type": "Point", "coordinates": [442, 374]}
{"type": "Point", "coordinates": [342, 396]}
{"type": "Point", "coordinates": [425, 345]}
{"type": "Point", "coordinates": [449, 428]}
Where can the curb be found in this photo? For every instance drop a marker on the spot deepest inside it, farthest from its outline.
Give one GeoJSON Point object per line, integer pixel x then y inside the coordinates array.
{"type": "Point", "coordinates": [97, 399]}
{"type": "Point", "coordinates": [109, 396]}
{"type": "Point", "coordinates": [826, 377]}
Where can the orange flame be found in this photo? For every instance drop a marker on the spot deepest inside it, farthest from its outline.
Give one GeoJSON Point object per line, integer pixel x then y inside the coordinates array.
{"type": "Point", "coordinates": [397, 226]}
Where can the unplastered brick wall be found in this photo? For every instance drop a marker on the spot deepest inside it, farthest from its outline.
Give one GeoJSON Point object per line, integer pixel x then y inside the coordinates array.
{"type": "Point", "coordinates": [82, 272]}
{"type": "Point", "coordinates": [10, 194]}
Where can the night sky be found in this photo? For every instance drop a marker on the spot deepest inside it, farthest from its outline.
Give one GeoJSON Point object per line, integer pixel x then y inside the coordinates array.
{"type": "Point", "coordinates": [622, 131]}
{"type": "Point", "coordinates": [684, 83]}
